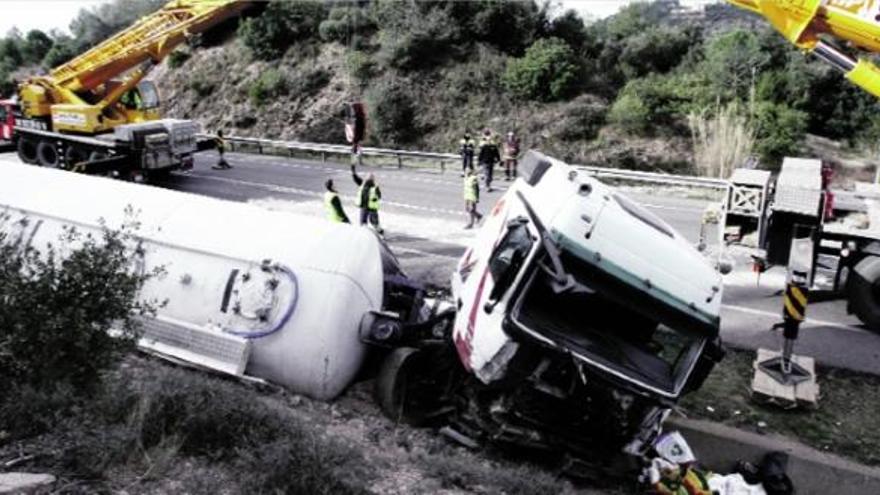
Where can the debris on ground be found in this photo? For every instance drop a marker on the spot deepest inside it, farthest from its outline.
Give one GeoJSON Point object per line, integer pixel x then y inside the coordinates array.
{"type": "Point", "coordinates": [24, 483]}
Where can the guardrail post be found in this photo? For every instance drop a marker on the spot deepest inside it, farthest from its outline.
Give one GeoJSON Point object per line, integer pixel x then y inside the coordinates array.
{"type": "Point", "coordinates": [260, 147]}
{"type": "Point", "coordinates": [399, 161]}
{"type": "Point", "coordinates": [323, 156]}
{"type": "Point", "coordinates": [442, 167]}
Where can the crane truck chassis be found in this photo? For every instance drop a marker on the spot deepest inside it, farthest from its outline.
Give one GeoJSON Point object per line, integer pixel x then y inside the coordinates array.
{"type": "Point", "coordinates": [98, 114]}
{"type": "Point", "coordinates": [575, 322]}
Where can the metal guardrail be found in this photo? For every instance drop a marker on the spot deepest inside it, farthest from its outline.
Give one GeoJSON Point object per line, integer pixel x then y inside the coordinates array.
{"type": "Point", "coordinates": [443, 158]}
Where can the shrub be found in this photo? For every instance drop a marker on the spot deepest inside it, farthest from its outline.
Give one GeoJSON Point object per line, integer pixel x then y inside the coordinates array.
{"type": "Point", "coordinates": [305, 83]}
{"type": "Point", "coordinates": [630, 113]}
{"type": "Point", "coordinates": [177, 58]}
{"type": "Point", "coordinates": [393, 112]}
{"type": "Point", "coordinates": [271, 83]}
{"type": "Point", "coordinates": [280, 25]}
{"type": "Point", "coordinates": [422, 42]}
{"type": "Point", "coordinates": [202, 87]}
{"type": "Point", "coordinates": [582, 120]}
{"type": "Point", "coordinates": [779, 131]}
{"type": "Point", "coordinates": [360, 66]}
{"type": "Point", "coordinates": [350, 26]}
{"type": "Point", "coordinates": [546, 72]}
{"type": "Point", "coordinates": [56, 308]}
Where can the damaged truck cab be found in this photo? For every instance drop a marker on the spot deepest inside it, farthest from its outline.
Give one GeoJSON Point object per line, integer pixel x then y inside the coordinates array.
{"type": "Point", "coordinates": [580, 318]}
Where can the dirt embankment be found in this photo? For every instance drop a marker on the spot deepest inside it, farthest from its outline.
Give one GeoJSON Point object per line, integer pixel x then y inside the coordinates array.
{"type": "Point", "coordinates": [216, 87]}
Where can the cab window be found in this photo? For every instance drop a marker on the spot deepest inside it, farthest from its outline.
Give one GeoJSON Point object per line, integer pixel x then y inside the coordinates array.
{"type": "Point", "coordinates": [509, 256]}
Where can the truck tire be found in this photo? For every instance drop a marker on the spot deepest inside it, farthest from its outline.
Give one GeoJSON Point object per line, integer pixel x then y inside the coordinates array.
{"type": "Point", "coordinates": [27, 151]}
{"type": "Point", "coordinates": [47, 154]}
{"type": "Point", "coordinates": [863, 291]}
{"type": "Point", "coordinates": [397, 387]}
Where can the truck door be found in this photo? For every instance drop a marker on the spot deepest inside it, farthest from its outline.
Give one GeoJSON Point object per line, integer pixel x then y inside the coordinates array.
{"type": "Point", "coordinates": [478, 332]}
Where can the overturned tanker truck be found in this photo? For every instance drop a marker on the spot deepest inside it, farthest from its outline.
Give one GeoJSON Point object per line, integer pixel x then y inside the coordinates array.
{"type": "Point", "coordinates": [575, 322]}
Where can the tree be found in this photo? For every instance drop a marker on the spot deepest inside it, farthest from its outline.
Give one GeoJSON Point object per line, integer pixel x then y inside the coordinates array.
{"type": "Point", "coordinates": [780, 130]}
{"type": "Point", "coordinates": [36, 45]}
{"type": "Point", "coordinates": [508, 26]}
{"type": "Point", "coordinates": [93, 26]}
{"type": "Point", "coordinates": [546, 72]}
{"type": "Point", "coordinates": [63, 49]}
{"type": "Point", "coordinates": [424, 41]}
{"type": "Point", "coordinates": [57, 306]}
{"type": "Point", "coordinates": [281, 24]}
{"type": "Point", "coordinates": [570, 28]}
{"type": "Point", "coordinates": [656, 49]}
{"type": "Point", "coordinates": [393, 112]}
{"type": "Point", "coordinates": [733, 62]}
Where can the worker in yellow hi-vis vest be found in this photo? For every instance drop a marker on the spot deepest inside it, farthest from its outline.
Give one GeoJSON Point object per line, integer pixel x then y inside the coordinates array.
{"type": "Point", "coordinates": [333, 204]}
{"type": "Point", "coordinates": [471, 197]}
{"type": "Point", "coordinates": [367, 199]}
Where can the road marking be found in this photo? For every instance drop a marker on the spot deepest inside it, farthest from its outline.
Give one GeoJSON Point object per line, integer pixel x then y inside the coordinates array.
{"type": "Point", "coordinates": [400, 249]}
{"type": "Point", "coordinates": [808, 321]}
{"type": "Point", "coordinates": [407, 176]}
{"type": "Point", "coordinates": [316, 194]}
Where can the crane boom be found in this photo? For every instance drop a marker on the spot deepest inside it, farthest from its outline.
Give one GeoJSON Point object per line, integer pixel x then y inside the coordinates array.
{"type": "Point", "coordinates": [83, 94]}
{"type": "Point", "coordinates": [151, 38]}
{"type": "Point", "coordinates": [97, 114]}
{"type": "Point", "coordinates": [803, 22]}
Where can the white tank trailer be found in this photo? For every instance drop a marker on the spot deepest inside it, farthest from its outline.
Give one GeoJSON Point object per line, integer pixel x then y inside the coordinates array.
{"type": "Point", "coordinates": [249, 291]}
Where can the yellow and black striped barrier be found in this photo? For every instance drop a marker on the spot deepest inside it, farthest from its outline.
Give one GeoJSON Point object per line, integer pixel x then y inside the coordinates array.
{"type": "Point", "coordinates": [795, 302]}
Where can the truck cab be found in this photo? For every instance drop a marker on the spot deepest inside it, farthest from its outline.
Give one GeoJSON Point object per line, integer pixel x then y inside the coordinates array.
{"type": "Point", "coordinates": [580, 318]}
{"type": "Point", "coordinates": [7, 121]}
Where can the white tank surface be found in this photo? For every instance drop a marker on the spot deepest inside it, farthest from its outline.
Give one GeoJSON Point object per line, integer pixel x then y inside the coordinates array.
{"type": "Point", "coordinates": [269, 294]}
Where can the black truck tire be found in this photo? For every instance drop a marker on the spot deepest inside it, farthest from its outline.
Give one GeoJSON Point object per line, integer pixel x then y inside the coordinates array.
{"type": "Point", "coordinates": [863, 291]}
{"type": "Point", "coordinates": [27, 150]}
{"type": "Point", "coordinates": [397, 384]}
{"type": "Point", "coordinates": [47, 154]}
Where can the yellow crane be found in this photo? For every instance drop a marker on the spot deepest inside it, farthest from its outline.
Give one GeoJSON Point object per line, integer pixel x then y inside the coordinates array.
{"type": "Point", "coordinates": [98, 109]}
{"type": "Point", "coordinates": [805, 22]}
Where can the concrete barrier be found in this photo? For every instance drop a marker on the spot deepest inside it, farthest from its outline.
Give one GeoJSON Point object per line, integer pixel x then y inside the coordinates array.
{"type": "Point", "coordinates": [719, 447]}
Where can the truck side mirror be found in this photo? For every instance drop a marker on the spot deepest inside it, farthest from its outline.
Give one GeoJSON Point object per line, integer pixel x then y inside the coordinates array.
{"type": "Point", "coordinates": [712, 354]}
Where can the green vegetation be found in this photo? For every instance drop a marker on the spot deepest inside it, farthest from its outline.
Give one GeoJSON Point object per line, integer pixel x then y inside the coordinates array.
{"type": "Point", "coordinates": [845, 422]}
{"type": "Point", "coordinates": [56, 306]}
{"type": "Point", "coordinates": [394, 112]}
{"type": "Point", "coordinates": [178, 58]}
{"type": "Point", "coordinates": [548, 71]}
{"type": "Point", "coordinates": [521, 65]}
{"type": "Point", "coordinates": [281, 25]}
{"type": "Point", "coordinates": [270, 84]}
{"type": "Point", "coordinates": [148, 423]}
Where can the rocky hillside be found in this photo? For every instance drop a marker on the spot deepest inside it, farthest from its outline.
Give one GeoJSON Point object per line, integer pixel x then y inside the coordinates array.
{"type": "Point", "coordinates": [626, 91]}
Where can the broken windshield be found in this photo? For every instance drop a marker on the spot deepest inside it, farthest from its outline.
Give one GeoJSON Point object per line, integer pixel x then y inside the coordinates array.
{"type": "Point", "coordinates": [615, 327]}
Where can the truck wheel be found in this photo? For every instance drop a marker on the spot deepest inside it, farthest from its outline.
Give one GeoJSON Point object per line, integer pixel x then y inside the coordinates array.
{"type": "Point", "coordinates": [401, 390]}
{"type": "Point", "coordinates": [863, 291]}
{"type": "Point", "coordinates": [27, 151]}
{"type": "Point", "coordinates": [47, 154]}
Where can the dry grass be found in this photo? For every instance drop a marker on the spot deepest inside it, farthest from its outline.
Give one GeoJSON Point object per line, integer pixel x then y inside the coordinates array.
{"type": "Point", "coordinates": [722, 140]}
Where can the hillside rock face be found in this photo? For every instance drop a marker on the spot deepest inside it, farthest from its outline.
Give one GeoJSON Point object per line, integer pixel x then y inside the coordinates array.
{"type": "Point", "coordinates": [215, 86]}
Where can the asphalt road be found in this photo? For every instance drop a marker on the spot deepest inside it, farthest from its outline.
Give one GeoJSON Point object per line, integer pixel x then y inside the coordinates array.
{"type": "Point", "coordinates": [423, 216]}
